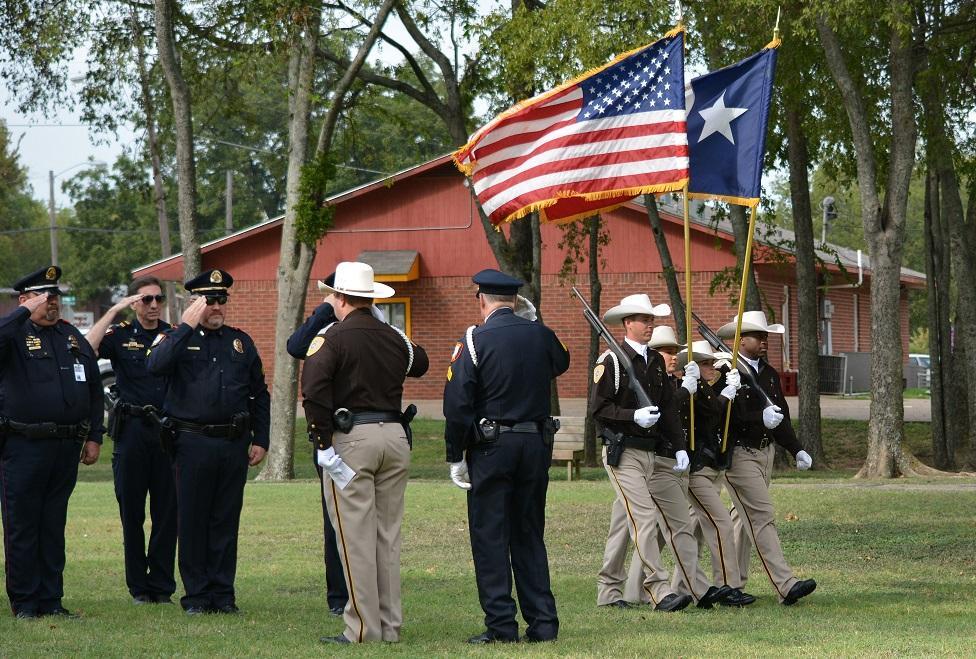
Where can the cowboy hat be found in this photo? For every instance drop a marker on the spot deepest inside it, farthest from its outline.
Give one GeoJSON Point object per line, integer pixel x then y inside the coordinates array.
{"type": "Point", "coordinates": [752, 321]}
{"type": "Point", "coordinates": [633, 305]}
{"type": "Point", "coordinates": [701, 351]}
{"type": "Point", "coordinates": [356, 279]}
{"type": "Point", "coordinates": [663, 337]}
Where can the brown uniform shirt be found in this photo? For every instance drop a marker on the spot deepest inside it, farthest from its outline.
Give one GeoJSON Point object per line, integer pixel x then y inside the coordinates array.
{"type": "Point", "coordinates": [746, 427]}
{"type": "Point", "coordinates": [360, 364]}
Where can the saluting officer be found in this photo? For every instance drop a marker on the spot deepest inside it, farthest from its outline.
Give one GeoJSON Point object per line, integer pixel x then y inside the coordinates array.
{"type": "Point", "coordinates": [50, 412]}
{"type": "Point", "coordinates": [138, 463]}
{"type": "Point", "coordinates": [217, 415]}
{"type": "Point", "coordinates": [352, 385]}
{"type": "Point", "coordinates": [298, 343]}
{"type": "Point", "coordinates": [499, 446]}
{"type": "Point", "coordinates": [754, 426]}
{"type": "Point", "coordinates": [708, 463]}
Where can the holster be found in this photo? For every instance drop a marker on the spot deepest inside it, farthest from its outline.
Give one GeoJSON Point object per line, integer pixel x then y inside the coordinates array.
{"type": "Point", "coordinates": [405, 418]}
{"type": "Point", "coordinates": [84, 428]}
{"type": "Point", "coordinates": [549, 429]}
{"type": "Point", "coordinates": [486, 431]}
{"type": "Point", "coordinates": [614, 441]}
{"type": "Point", "coordinates": [342, 420]}
{"type": "Point", "coordinates": [167, 435]}
{"type": "Point", "coordinates": [241, 424]}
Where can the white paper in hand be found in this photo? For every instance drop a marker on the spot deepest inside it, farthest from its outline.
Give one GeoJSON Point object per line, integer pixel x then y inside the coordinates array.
{"type": "Point", "coordinates": [342, 475]}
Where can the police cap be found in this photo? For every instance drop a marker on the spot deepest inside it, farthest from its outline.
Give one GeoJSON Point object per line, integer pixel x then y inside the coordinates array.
{"type": "Point", "coordinates": [494, 282]}
{"type": "Point", "coordinates": [209, 281]}
{"type": "Point", "coordinates": [44, 280]}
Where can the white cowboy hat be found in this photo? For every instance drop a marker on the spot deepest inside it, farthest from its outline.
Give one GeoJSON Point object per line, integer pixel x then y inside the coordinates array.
{"type": "Point", "coordinates": [752, 321]}
{"type": "Point", "coordinates": [633, 305]}
{"type": "Point", "coordinates": [700, 351]}
{"type": "Point", "coordinates": [355, 278]}
{"type": "Point", "coordinates": [663, 337]}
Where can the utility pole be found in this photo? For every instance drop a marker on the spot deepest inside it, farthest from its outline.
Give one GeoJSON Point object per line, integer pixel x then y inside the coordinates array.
{"type": "Point", "coordinates": [229, 211]}
{"type": "Point", "coordinates": [53, 218]}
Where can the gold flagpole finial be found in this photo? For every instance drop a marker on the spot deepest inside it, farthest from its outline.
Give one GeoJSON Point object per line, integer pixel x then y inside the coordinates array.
{"type": "Point", "coordinates": [679, 12]}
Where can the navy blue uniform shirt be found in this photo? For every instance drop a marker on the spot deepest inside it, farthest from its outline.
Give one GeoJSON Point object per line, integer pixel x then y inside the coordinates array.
{"type": "Point", "coordinates": [298, 342]}
{"type": "Point", "coordinates": [126, 345]}
{"type": "Point", "coordinates": [211, 375]}
{"type": "Point", "coordinates": [49, 374]}
{"type": "Point", "coordinates": [517, 361]}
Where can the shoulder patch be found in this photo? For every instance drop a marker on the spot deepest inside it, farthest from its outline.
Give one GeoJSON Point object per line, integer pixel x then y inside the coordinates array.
{"type": "Point", "coordinates": [159, 339]}
{"type": "Point", "coordinates": [598, 372]}
{"type": "Point", "coordinates": [110, 331]}
{"type": "Point", "coordinates": [315, 345]}
{"type": "Point", "coordinates": [458, 347]}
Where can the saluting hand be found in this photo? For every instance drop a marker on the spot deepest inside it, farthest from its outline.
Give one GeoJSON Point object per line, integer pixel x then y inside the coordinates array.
{"type": "Point", "coordinates": [34, 303]}
{"type": "Point", "coordinates": [194, 313]}
{"type": "Point", "coordinates": [125, 302]}
{"type": "Point", "coordinates": [90, 453]}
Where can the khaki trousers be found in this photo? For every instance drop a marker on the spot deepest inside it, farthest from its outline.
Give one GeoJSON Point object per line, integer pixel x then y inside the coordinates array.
{"type": "Point", "coordinates": [754, 519]}
{"type": "Point", "coordinates": [715, 523]}
{"type": "Point", "coordinates": [366, 516]}
{"type": "Point", "coordinates": [633, 516]}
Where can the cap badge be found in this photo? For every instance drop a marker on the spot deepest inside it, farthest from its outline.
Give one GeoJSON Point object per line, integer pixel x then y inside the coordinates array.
{"type": "Point", "coordinates": [51, 274]}
{"type": "Point", "coordinates": [215, 277]}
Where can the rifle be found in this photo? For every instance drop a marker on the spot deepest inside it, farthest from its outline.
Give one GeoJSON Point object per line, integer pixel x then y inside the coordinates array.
{"type": "Point", "coordinates": [642, 398]}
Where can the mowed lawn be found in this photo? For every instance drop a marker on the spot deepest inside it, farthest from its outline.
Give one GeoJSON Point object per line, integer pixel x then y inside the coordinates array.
{"type": "Point", "coordinates": [894, 564]}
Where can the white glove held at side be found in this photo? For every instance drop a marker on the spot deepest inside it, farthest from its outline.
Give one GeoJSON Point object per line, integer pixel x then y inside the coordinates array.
{"type": "Point", "coordinates": [680, 461]}
{"type": "Point", "coordinates": [338, 470]}
{"type": "Point", "coordinates": [772, 416]}
{"type": "Point", "coordinates": [459, 474]}
{"type": "Point", "coordinates": [646, 417]}
{"type": "Point", "coordinates": [803, 461]}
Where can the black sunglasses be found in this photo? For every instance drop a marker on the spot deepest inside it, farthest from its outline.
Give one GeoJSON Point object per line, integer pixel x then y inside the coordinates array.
{"type": "Point", "coordinates": [216, 299]}
{"type": "Point", "coordinates": [147, 299]}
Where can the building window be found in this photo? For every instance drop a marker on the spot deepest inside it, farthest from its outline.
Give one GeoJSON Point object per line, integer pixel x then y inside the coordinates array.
{"type": "Point", "coordinates": [397, 312]}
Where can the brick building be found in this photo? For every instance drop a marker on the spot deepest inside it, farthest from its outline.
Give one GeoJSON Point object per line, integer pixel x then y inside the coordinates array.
{"type": "Point", "coordinates": [421, 231]}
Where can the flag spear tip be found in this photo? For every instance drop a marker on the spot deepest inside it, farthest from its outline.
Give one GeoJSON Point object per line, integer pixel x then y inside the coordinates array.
{"type": "Point", "coordinates": [779, 10]}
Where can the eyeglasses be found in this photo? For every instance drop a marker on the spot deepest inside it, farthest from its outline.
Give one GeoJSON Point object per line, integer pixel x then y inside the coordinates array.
{"type": "Point", "coordinates": [216, 299]}
{"type": "Point", "coordinates": [148, 299]}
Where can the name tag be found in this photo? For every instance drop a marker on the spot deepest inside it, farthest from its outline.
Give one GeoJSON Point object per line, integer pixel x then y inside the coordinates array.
{"type": "Point", "coordinates": [80, 373]}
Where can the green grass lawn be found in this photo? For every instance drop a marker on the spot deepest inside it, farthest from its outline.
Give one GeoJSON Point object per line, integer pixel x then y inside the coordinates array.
{"type": "Point", "coordinates": [895, 568]}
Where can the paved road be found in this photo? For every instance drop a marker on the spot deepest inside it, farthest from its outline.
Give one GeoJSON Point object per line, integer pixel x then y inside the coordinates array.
{"type": "Point", "coordinates": [831, 407]}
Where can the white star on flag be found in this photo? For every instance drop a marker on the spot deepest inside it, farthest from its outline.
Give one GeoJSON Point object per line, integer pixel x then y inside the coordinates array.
{"type": "Point", "coordinates": [718, 119]}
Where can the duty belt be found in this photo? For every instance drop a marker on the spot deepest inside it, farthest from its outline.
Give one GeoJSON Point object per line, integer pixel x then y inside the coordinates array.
{"type": "Point", "coordinates": [523, 426]}
{"type": "Point", "coordinates": [47, 430]}
{"type": "Point", "coordinates": [137, 410]}
{"type": "Point", "coordinates": [640, 443]}
{"type": "Point", "coordinates": [763, 442]}
{"type": "Point", "coordinates": [224, 430]}
{"type": "Point", "coordinates": [360, 418]}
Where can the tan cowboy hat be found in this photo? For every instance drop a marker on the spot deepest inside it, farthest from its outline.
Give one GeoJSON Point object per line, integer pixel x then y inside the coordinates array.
{"type": "Point", "coordinates": [701, 351]}
{"type": "Point", "coordinates": [355, 278]}
{"type": "Point", "coordinates": [633, 305]}
{"type": "Point", "coordinates": [663, 337]}
{"type": "Point", "coordinates": [752, 321]}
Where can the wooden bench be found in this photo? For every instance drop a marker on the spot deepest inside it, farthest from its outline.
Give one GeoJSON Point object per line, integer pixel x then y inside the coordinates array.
{"type": "Point", "coordinates": [568, 444]}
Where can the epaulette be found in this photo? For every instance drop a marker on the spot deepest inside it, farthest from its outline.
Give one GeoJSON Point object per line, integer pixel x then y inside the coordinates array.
{"type": "Point", "coordinates": [616, 367]}
{"type": "Point", "coordinates": [125, 323]}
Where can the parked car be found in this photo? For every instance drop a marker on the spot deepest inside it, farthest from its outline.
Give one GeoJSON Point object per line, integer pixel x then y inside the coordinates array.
{"type": "Point", "coordinates": [917, 359]}
{"type": "Point", "coordinates": [918, 371]}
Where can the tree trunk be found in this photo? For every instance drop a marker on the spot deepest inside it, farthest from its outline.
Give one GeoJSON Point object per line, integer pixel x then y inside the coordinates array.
{"type": "Point", "coordinates": [739, 217]}
{"type": "Point", "coordinates": [667, 265]}
{"type": "Point", "coordinates": [806, 284]}
{"type": "Point", "coordinates": [186, 176]}
{"type": "Point", "coordinates": [936, 284]}
{"type": "Point", "coordinates": [296, 257]}
{"type": "Point", "coordinates": [596, 287]}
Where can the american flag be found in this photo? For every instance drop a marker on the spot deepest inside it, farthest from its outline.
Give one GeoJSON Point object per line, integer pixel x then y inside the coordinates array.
{"type": "Point", "coordinates": [591, 144]}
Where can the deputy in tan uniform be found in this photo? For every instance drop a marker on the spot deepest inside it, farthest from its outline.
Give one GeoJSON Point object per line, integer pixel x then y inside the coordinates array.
{"type": "Point", "coordinates": [352, 386]}
{"type": "Point", "coordinates": [631, 435]}
{"type": "Point", "coordinates": [754, 426]}
{"type": "Point", "coordinates": [708, 462]}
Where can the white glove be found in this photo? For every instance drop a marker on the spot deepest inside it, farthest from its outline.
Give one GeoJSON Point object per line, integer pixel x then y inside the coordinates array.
{"type": "Point", "coordinates": [803, 461]}
{"type": "Point", "coordinates": [646, 417]}
{"type": "Point", "coordinates": [733, 379]}
{"type": "Point", "coordinates": [692, 370]}
{"type": "Point", "coordinates": [525, 309]}
{"type": "Point", "coordinates": [690, 383]}
{"type": "Point", "coordinates": [722, 363]}
{"type": "Point", "coordinates": [338, 470]}
{"type": "Point", "coordinates": [459, 474]}
{"type": "Point", "coordinates": [680, 461]}
{"type": "Point", "coordinates": [772, 416]}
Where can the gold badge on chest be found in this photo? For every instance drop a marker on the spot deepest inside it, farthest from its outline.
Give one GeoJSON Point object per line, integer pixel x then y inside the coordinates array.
{"type": "Point", "coordinates": [73, 342]}
{"type": "Point", "coordinates": [239, 346]}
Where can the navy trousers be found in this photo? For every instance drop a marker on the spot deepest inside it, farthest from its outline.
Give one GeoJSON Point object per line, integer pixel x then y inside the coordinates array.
{"type": "Point", "coordinates": [141, 468]}
{"type": "Point", "coordinates": [335, 581]}
{"type": "Point", "coordinates": [210, 477]}
{"type": "Point", "coordinates": [37, 477]}
{"type": "Point", "coordinates": [506, 517]}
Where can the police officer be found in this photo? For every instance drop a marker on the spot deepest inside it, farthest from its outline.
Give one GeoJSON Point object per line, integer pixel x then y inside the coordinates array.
{"type": "Point", "coordinates": [298, 343]}
{"type": "Point", "coordinates": [51, 411]}
{"type": "Point", "coordinates": [217, 417]}
{"type": "Point", "coordinates": [138, 463]}
{"type": "Point", "coordinates": [499, 446]}
{"type": "Point", "coordinates": [756, 423]}
{"type": "Point", "coordinates": [352, 385]}
{"type": "Point", "coordinates": [708, 462]}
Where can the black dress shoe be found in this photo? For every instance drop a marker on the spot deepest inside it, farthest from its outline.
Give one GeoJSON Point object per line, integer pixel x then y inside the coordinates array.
{"type": "Point", "coordinates": [738, 598]}
{"type": "Point", "coordinates": [489, 636]}
{"type": "Point", "coordinates": [673, 602]}
{"type": "Point", "coordinates": [533, 639]}
{"type": "Point", "coordinates": [25, 614]}
{"type": "Point", "coordinates": [139, 600]}
{"type": "Point", "coordinates": [619, 604]}
{"type": "Point", "coordinates": [337, 610]}
{"type": "Point", "coordinates": [713, 595]}
{"type": "Point", "coordinates": [195, 611]}
{"type": "Point", "coordinates": [161, 599]}
{"type": "Point", "coordinates": [337, 640]}
{"type": "Point", "coordinates": [60, 612]}
{"type": "Point", "coordinates": [228, 609]}
{"type": "Point", "coordinates": [799, 589]}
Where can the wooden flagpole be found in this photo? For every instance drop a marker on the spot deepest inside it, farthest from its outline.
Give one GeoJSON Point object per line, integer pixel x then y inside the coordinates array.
{"type": "Point", "coordinates": [691, 400]}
